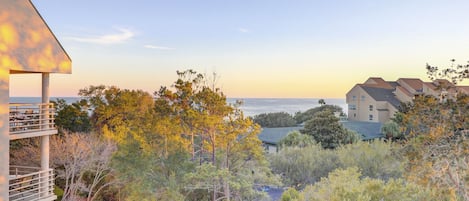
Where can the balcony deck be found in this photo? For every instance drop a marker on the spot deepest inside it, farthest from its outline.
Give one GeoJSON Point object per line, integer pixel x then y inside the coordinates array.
{"type": "Point", "coordinates": [31, 120]}
{"type": "Point", "coordinates": [31, 184]}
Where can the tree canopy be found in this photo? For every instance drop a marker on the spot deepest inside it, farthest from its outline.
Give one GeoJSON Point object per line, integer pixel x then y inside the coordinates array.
{"type": "Point", "coordinates": [325, 129]}
{"type": "Point", "coordinates": [302, 117]}
{"type": "Point", "coordinates": [273, 120]}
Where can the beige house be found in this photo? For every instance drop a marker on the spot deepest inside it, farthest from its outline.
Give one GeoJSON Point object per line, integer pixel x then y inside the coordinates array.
{"type": "Point", "coordinates": [27, 46]}
{"type": "Point", "coordinates": [377, 100]}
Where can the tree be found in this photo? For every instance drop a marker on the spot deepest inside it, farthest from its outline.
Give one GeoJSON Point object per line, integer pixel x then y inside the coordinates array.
{"type": "Point", "coordinates": [273, 120]}
{"type": "Point", "coordinates": [170, 142]}
{"type": "Point", "coordinates": [437, 136]}
{"type": "Point", "coordinates": [325, 128]}
{"type": "Point", "coordinates": [81, 163]}
{"type": "Point", "coordinates": [72, 117]}
{"type": "Point", "coordinates": [321, 102]}
{"type": "Point", "coordinates": [302, 117]}
{"type": "Point", "coordinates": [114, 108]}
{"type": "Point", "coordinates": [296, 139]}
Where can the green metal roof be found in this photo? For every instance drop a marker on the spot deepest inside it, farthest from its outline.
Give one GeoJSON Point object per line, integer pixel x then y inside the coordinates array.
{"type": "Point", "coordinates": [274, 135]}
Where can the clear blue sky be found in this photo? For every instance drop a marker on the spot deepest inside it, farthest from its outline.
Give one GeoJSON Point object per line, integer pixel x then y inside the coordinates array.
{"type": "Point", "coordinates": [259, 48]}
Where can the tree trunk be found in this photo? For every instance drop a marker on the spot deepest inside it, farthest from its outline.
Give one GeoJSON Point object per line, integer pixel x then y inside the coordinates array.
{"type": "Point", "coordinates": [193, 146]}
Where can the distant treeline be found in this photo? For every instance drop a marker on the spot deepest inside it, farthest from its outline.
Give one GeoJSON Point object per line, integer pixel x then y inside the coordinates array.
{"type": "Point", "coordinates": [283, 119]}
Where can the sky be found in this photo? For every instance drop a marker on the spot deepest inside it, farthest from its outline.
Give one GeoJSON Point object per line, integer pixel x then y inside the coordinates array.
{"type": "Point", "coordinates": [258, 48]}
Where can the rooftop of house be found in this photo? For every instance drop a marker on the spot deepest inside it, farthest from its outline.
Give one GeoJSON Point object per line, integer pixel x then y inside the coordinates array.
{"type": "Point", "coordinates": [382, 94]}
{"type": "Point", "coordinates": [414, 83]}
{"type": "Point", "coordinates": [274, 135]}
{"type": "Point", "coordinates": [31, 45]}
{"type": "Point", "coordinates": [366, 130]}
{"type": "Point", "coordinates": [378, 82]}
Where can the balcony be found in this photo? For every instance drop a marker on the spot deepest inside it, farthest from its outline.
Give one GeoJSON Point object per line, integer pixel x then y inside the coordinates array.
{"type": "Point", "coordinates": [30, 183]}
{"type": "Point", "coordinates": [31, 120]}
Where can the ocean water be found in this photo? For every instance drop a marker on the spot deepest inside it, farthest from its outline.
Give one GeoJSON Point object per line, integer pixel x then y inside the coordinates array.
{"type": "Point", "coordinates": [254, 106]}
{"type": "Point", "coordinates": [250, 107]}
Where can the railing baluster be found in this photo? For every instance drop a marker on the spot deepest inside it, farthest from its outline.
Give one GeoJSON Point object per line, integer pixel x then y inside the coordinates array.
{"type": "Point", "coordinates": [27, 185]}
{"type": "Point", "coordinates": [25, 118]}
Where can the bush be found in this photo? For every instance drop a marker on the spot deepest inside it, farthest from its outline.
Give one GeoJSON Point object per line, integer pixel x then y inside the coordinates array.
{"type": "Point", "coordinates": [376, 159]}
{"type": "Point", "coordinates": [345, 184]}
{"type": "Point", "coordinates": [290, 194]}
{"type": "Point", "coordinates": [296, 139]}
{"type": "Point", "coordinates": [304, 166]}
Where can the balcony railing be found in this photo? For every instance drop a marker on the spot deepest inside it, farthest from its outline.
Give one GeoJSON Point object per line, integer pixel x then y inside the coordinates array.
{"type": "Point", "coordinates": [25, 118]}
{"type": "Point", "coordinates": [30, 183]}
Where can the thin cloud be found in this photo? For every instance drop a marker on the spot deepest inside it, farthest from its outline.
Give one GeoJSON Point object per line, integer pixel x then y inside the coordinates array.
{"type": "Point", "coordinates": [158, 47]}
{"type": "Point", "coordinates": [243, 30]}
{"type": "Point", "coordinates": [123, 35]}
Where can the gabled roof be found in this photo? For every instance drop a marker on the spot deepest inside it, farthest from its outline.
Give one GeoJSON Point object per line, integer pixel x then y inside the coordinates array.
{"type": "Point", "coordinates": [377, 82]}
{"type": "Point", "coordinates": [404, 90]}
{"type": "Point", "coordinates": [26, 42]}
{"type": "Point", "coordinates": [382, 94]}
{"type": "Point", "coordinates": [463, 89]}
{"type": "Point", "coordinates": [430, 85]}
{"type": "Point", "coordinates": [274, 135]}
{"type": "Point", "coordinates": [414, 83]}
{"type": "Point", "coordinates": [366, 130]}
{"type": "Point", "coordinates": [443, 83]}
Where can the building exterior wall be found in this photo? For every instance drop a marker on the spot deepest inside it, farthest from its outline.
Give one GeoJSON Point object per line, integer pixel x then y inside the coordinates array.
{"type": "Point", "coordinates": [402, 96]}
{"type": "Point", "coordinates": [26, 43]}
{"type": "Point", "coordinates": [359, 105]}
{"type": "Point", "coordinates": [4, 134]}
{"type": "Point", "coordinates": [383, 116]}
{"type": "Point", "coordinates": [405, 89]}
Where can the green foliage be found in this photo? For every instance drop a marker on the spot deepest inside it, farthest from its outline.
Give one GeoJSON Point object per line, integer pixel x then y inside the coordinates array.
{"type": "Point", "coordinates": [321, 102]}
{"type": "Point", "coordinates": [376, 159]}
{"type": "Point", "coordinates": [303, 166]}
{"type": "Point", "coordinates": [291, 194]}
{"type": "Point", "coordinates": [437, 145]}
{"type": "Point", "coordinates": [345, 184]}
{"type": "Point", "coordinates": [296, 139]}
{"type": "Point", "coordinates": [114, 107]}
{"type": "Point", "coordinates": [392, 130]}
{"type": "Point", "coordinates": [325, 128]}
{"type": "Point", "coordinates": [273, 120]}
{"type": "Point", "coordinates": [302, 117]}
{"type": "Point", "coordinates": [58, 192]}
{"type": "Point", "coordinates": [73, 117]}
{"type": "Point", "coordinates": [187, 143]}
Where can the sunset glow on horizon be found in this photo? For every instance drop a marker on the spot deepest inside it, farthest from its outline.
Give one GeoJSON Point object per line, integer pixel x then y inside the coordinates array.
{"type": "Point", "coordinates": [259, 49]}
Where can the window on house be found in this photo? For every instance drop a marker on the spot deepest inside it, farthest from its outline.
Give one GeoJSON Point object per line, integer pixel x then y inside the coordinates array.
{"type": "Point", "coordinates": [354, 114]}
{"type": "Point", "coordinates": [352, 107]}
{"type": "Point", "coordinates": [354, 98]}
{"type": "Point", "coordinates": [371, 107]}
{"type": "Point", "coordinates": [371, 117]}
{"type": "Point", "coordinates": [362, 98]}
